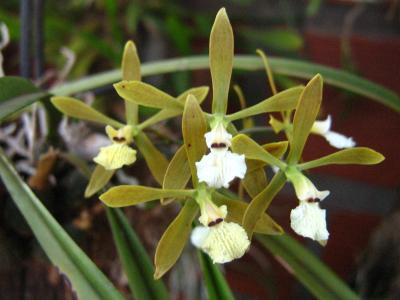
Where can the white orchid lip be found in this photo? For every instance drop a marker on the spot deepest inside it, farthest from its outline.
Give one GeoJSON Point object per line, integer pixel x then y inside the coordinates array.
{"type": "Point", "coordinates": [223, 242]}
{"type": "Point", "coordinates": [309, 220]}
{"type": "Point", "coordinates": [220, 167]}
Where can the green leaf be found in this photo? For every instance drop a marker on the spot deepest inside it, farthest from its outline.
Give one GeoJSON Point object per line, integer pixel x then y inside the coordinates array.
{"type": "Point", "coordinates": [194, 127]}
{"type": "Point", "coordinates": [17, 93]}
{"type": "Point", "coordinates": [135, 260]}
{"type": "Point", "coordinates": [304, 117]}
{"type": "Point", "coordinates": [276, 39]}
{"type": "Point", "coordinates": [87, 280]}
{"type": "Point", "coordinates": [99, 178]}
{"type": "Point", "coordinates": [236, 210]}
{"type": "Point", "coordinates": [217, 287]}
{"type": "Point", "coordinates": [145, 94]}
{"type": "Point", "coordinates": [243, 144]}
{"type": "Point", "coordinates": [307, 268]}
{"type": "Point", "coordinates": [127, 195]}
{"type": "Point", "coordinates": [130, 67]}
{"type": "Point", "coordinates": [178, 173]}
{"type": "Point", "coordinates": [80, 110]}
{"type": "Point", "coordinates": [221, 60]}
{"type": "Point", "coordinates": [280, 66]}
{"type": "Point", "coordinates": [173, 240]}
{"type": "Point", "coordinates": [200, 94]}
{"type": "Point", "coordinates": [261, 202]}
{"type": "Point", "coordinates": [155, 160]}
{"type": "Point", "coordinates": [285, 100]}
{"type": "Point", "coordinates": [351, 156]}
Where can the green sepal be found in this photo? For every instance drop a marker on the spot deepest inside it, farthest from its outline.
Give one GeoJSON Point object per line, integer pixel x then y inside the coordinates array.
{"type": "Point", "coordinates": [80, 110]}
{"type": "Point", "coordinates": [285, 100]}
{"type": "Point", "coordinates": [178, 173]}
{"type": "Point", "coordinates": [221, 60]}
{"type": "Point", "coordinates": [127, 195]}
{"type": "Point", "coordinates": [174, 239]}
{"type": "Point", "coordinates": [260, 203]}
{"type": "Point", "coordinates": [351, 156]}
{"type": "Point", "coordinates": [145, 94]}
{"type": "Point", "coordinates": [98, 180]}
{"type": "Point", "coordinates": [236, 210]}
{"type": "Point", "coordinates": [155, 159]}
{"type": "Point", "coordinates": [306, 113]}
{"type": "Point", "coordinates": [194, 126]}
{"type": "Point", "coordinates": [130, 67]}
{"type": "Point", "coordinates": [242, 144]}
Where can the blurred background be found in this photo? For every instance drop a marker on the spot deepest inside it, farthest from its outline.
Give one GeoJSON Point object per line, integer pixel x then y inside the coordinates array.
{"type": "Point", "coordinates": [56, 41]}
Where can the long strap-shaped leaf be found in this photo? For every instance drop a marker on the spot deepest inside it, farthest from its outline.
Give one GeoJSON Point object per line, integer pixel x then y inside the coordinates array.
{"type": "Point", "coordinates": [283, 66]}
{"type": "Point", "coordinates": [311, 272]}
{"type": "Point", "coordinates": [137, 264]}
{"type": "Point", "coordinates": [87, 280]}
{"type": "Point", "coordinates": [217, 287]}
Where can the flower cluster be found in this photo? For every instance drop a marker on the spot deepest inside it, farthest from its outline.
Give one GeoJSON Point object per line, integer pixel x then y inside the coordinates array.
{"type": "Point", "coordinates": [213, 159]}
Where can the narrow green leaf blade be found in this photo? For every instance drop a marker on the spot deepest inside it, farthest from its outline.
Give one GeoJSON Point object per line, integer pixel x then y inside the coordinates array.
{"type": "Point", "coordinates": [306, 113]}
{"type": "Point", "coordinates": [135, 260]}
{"type": "Point", "coordinates": [310, 271]}
{"type": "Point", "coordinates": [155, 160]}
{"type": "Point", "coordinates": [290, 67]}
{"type": "Point", "coordinates": [126, 195]}
{"type": "Point", "coordinates": [145, 94]}
{"type": "Point", "coordinates": [87, 280]}
{"type": "Point", "coordinates": [194, 127]}
{"type": "Point", "coordinates": [17, 93]}
{"type": "Point", "coordinates": [351, 156]}
{"type": "Point", "coordinates": [77, 109]}
{"type": "Point", "coordinates": [285, 100]}
{"type": "Point", "coordinates": [217, 287]}
{"type": "Point", "coordinates": [174, 239]}
{"type": "Point", "coordinates": [99, 178]}
{"type": "Point", "coordinates": [221, 60]}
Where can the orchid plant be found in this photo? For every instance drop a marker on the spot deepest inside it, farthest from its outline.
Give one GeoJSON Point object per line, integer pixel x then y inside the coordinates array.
{"type": "Point", "coordinates": [225, 226]}
{"type": "Point", "coordinates": [213, 158]}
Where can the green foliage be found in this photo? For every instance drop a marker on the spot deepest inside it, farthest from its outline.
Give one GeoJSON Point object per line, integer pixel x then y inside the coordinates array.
{"type": "Point", "coordinates": [17, 93]}
{"type": "Point", "coordinates": [87, 280]}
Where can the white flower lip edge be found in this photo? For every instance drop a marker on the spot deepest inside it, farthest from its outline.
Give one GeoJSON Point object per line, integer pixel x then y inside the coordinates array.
{"type": "Point", "coordinates": [219, 168]}
{"type": "Point", "coordinates": [335, 139]}
{"type": "Point", "coordinates": [223, 242]}
{"type": "Point", "coordinates": [309, 220]}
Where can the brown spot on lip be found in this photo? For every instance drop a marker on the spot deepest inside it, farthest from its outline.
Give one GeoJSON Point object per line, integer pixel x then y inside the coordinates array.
{"type": "Point", "coordinates": [313, 200]}
{"type": "Point", "coordinates": [213, 223]}
{"type": "Point", "coordinates": [218, 145]}
{"type": "Point", "coordinates": [119, 139]}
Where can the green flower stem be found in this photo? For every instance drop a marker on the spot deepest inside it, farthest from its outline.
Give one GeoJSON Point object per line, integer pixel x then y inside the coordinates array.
{"type": "Point", "coordinates": [290, 67]}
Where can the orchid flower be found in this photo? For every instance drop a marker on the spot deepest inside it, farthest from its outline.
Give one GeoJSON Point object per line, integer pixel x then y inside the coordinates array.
{"type": "Point", "coordinates": [220, 166]}
{"type": "Point", "coordinates": [222, 241]}
{"type": "Point", "coordinates": [119, 153]}
{"type": "Point", "coordinates": [308, 219]}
